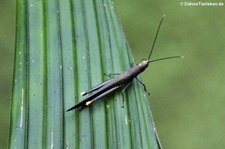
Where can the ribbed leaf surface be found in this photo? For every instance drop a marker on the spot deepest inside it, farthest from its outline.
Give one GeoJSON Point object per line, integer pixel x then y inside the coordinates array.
{"type": "Point", "coordinates": [63, 48]}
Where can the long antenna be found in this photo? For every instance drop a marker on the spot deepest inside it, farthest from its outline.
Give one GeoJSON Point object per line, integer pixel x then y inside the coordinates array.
{"type": "Point", "coordinates": [171, 57]}
{"type": "Point", "coordinates": [156, 36]}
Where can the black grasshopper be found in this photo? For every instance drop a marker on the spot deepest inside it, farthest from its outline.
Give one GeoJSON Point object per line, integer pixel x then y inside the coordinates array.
{"type": "Point", "coordinates": [123, 80]}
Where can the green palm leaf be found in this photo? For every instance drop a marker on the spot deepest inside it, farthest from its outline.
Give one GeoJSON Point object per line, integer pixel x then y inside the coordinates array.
{"type": "Point", "coordinates": [63, 48]}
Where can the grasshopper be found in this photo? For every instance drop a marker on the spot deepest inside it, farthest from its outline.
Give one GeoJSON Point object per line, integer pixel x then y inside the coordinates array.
{"type": "Point", "coordinates": [123, 80]}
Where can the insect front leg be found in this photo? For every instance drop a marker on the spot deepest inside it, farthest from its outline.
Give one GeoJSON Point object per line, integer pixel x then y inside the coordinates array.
{"type": "Point", "coordinates": [132, 64]}
{"type": "Point", "coordinates": [111, 74]}
{"type": "Point", "coordinates": [145, 89]}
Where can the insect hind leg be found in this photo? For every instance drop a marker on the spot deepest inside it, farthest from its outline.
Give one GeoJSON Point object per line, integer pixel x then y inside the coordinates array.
{"type": "Point", "coordinates": [94, 88]}
{"type": "Point", "coordinates": [123, 92]}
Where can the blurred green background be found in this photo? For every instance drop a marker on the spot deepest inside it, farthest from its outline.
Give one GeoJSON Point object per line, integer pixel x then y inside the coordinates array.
{"type": "Point", "coordinates": [7, 45]}
{"type": "Point", "coordinates": [187, 95]}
